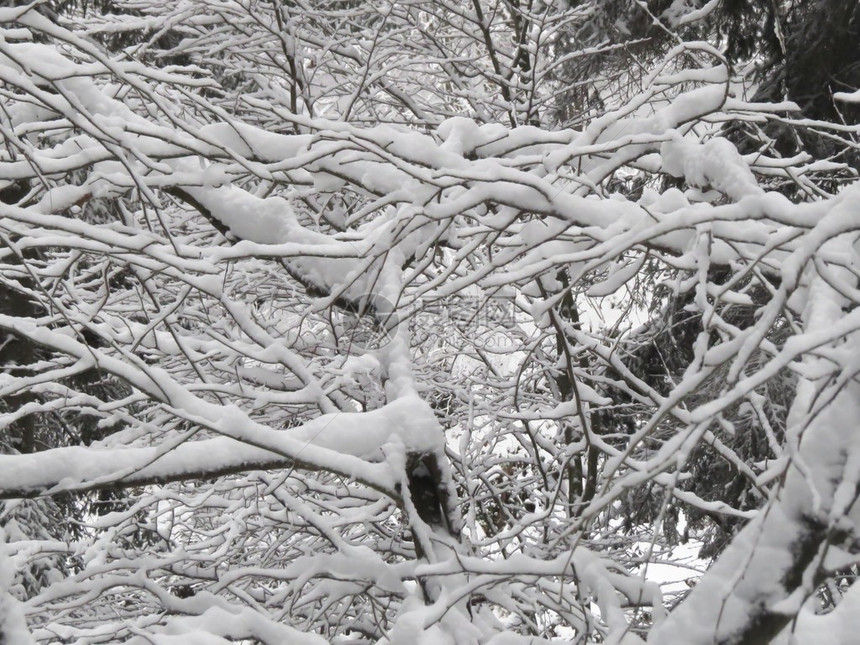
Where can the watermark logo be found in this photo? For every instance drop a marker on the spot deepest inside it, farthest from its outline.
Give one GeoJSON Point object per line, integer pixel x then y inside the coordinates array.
{"type": "Point", "coordinates": [476, 320]}
{"type": "Point", "coordinates": [371, 325]}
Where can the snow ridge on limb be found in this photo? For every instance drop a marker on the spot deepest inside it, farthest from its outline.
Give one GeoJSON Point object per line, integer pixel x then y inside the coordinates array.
{"type": "Point", "coordinates": [337, 442]}
{"type": "Point", "coordinates": [340, 441]}
{"type": "Point", "coordinates": [716, 163]}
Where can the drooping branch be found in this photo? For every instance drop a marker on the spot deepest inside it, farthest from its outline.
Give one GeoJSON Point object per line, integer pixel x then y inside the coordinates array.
{"type": "Point", "coordinates": [79, 469]}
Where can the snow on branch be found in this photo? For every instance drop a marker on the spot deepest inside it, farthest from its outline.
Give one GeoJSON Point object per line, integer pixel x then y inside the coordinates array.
{"type": "Point", "coordinates": [428, 322]}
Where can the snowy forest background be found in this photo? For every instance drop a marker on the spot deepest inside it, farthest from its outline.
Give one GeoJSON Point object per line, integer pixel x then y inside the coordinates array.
{"type": "Point", "coordinates": [461, 322]}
